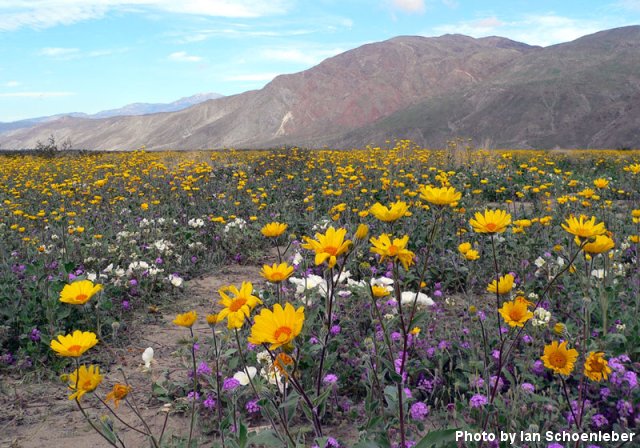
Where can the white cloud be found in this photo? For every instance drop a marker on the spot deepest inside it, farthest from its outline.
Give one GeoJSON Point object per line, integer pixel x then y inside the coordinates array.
{"type": "Point", "coordinates": [16, 14]}
{"type": "Point", "coordinates": [630, 5]}
{"type": "Point", "coordinates": [540, 29]}
{"type": "Point", "coordinates": [35, 94]}
{"type": "Point", "coordinates": [58, 52]}
{"type": "Point", "coordinates": [409, 5]}
{"type": "Point", "coordinates": [12, 83]}
{"type": "Point", "coordinates": [182, 56]}
{"type": "Point", "coordinates": [252, 77]}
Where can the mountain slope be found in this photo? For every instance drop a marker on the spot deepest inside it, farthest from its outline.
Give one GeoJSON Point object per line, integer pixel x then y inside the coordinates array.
{"type": "Point", "coordinates": [583, 93]}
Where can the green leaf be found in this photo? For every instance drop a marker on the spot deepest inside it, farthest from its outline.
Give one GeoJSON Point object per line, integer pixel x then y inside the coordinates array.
{"type": "Point", "coordinates": [439, 439]}
{"type": "Point", "coordinates": [267, 438]}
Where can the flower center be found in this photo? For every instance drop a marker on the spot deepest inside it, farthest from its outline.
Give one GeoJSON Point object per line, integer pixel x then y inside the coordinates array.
{"type": "Point", "coordinates": [558, 360]}
{"type": "Point", "coordinates": [516, 314]}
{"type": "Point", "coordinates": [393, 250]}
{"type": "Point", "coordinates": [491, 226]}
{"type": "Point", "coordinates": [237, 304]}
{"type": "Point", "coordinates": [331, 250]}
{"type": "Point", "coordinates": [86, 385]}
{"type": "Point", "coordinates": [75, 348]}
{"type": "Point", "coordinates": [276, 276]}
{"type": "Point", "coordinates": [282, 334]}
{"type": "Point", "coordinates": [81, 297]}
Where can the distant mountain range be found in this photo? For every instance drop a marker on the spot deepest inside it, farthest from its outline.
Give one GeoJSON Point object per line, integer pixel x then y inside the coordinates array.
{"type": "Point", "coordinates": [580, 94]}
{"type": "Point", "coordinates": [129, 109]}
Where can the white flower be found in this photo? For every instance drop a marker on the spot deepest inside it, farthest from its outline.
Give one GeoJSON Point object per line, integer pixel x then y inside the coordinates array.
{"type": "Point", "coordinates": [381, 281]}
{"type": "Point", "coordinates": [356, 284]}
{"type": "Point", "coordinates": [310, 282]}
{"type": "Point", "coordinates": [242, 376]}
{"type": "Point", "coordinates": [343, 276]}
{"type": "Point", "coordinates": [539, 262]}
{"type": "Point", "coordinates": [196, 223]}
{"type": "Point", "coordinates": [147, 357]}
{"type": "Point", "coordinates": [560, 261]}
{"type": "Point", "coordinates": [91, 276]}
{"type": "Point", "coordinates": [423, 300]}
{"type": "Point", "coordinates": [297, 259]}
{"type": "Point", "coordinates": [108, 269]}
{"type": "Point", "coordinates": [598, 273]}
{"type": "Point", "coordinates": [264, 357]}
{"type": "Point", "coordinates": [274, 377]}
{"type": "Point", "coordinates": [541, 317]}
{"type": "Point", "coordinates": [621, 327]}
{"type": "Point", "coordinates": [175, 280]}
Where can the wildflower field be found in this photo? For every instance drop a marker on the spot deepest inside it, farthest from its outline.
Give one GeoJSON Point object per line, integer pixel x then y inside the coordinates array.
{"type": "Point", "coordinates": [395, 297]}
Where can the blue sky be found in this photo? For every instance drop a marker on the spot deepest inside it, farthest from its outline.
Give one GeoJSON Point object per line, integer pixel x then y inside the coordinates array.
{"type": "Point", "coordinates": [89, 55]}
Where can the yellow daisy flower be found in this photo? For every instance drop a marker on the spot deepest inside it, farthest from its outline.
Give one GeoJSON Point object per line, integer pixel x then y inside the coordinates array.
{"type": "Point", "coordinates": [239, 306]}
{"type": "Point", "coordinates": [74, 344]}
{"type": "Point", "coordinates": [491, 221]}
{"type": "Point", "coordinates": [558, 358]}
{"type": "Point", "coordinates": [602, 243]}
{"type": "Point", "coordinates": [273, 229]}
{"type": "Point", "coordinates": [119, 392]}
{"type": "Point", "coordinates": [582, 228]}
{"type": "Point", "coordinates": [278, 327]}
{"type": "Point", "coordinates": [328, 246]}
{"type": "Point", "coordinates": [596, 368]}
{"type": "Point", "coordinates": [186, 319]}
{"type": "Point", "coordinates": [440, 196]}
{"type": "Point", "coordinates": [276, 273]}
{"type": "Point", "coordinates": [84, 380]}
{"type": "Point", "coordinates": [504, 285]}
{"type": "Point", "coordinates": [395, 211]}
{"type": "Point", "coordinates": [79, 293]}
{"type": "Point", "coordinates": [516, 313]}
{"type": "Point", "coordinates": [396, 249]}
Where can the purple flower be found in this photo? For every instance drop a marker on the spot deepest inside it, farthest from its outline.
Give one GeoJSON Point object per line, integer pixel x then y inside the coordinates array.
{"type": "Point", "coordinates": [625, 409]}
{"type": "Point", "coordinates": [230, 384]}
{"type": "Point", "coordinates": [35, 335]}
{"type": "Point", "coordinates": [396, 336]}
{"type": "Point", "coordinates": [159, 260]}
{"type": "Point", "coordinates": [133, 282]}
{"type": "Point", "coordinates": [193, 394]}
{"type": "Point", "coordinates": [554, 445]}
{"type": "Point", "coordinates": [599, 421]}
{"type": "Point", "coordinates": [478, 401]}
{"type": "Point", "coordinates": [209, 403]}
{"type": "Point", "coordinates": [538, 367]}
{"type": "Point", "coordinates": [125, 305]}
{"type": "Point", "coordinates": [528, 387]}
{"type": "Point", "coordinates": [330, 378]}
{"type": "Point", "coordinates": [419, 411]}
{"type": "Point", "coordinates": [8, 359]}
{"type": "Point", "coordinates": [335, 330]}
{"type": "Point", "coordinates": [203, 369]}
{"type": "Point", "coordinates": [252, 407]}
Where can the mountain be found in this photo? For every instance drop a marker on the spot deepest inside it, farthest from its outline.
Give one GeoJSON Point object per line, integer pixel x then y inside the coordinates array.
{"type": "Point", "coordinates": [129, 109]}
{"type": "Point", "coordinates": [583, 94]}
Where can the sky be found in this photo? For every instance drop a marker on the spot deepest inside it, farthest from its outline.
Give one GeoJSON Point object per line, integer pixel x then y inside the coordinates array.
{"type": "Point", "coordinates": [60, 56]}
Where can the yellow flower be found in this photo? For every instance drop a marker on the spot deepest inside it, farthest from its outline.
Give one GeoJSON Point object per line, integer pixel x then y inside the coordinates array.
{"type": "Point", "coordinates": [278, 327]}
{"type": "Point", "coordinates": [362, 232]}
{"type": "Point", "coordinates": [119, 392]}
{"type": "Point", "coordinates": [522, 223]}
{"type": "Point", "coordinates": [379, 291]}
{"type": "Point", "coordinates": [212, 319]}
{"type": "Point", "coordinates": [472, 255]}
{"type": "Point", "coordinates": [240, 306]}
{"type": "Point", "coordinates": [601, 183]}
{"type": "Point", "coordinates": [504, 285]}
{"type": "Point", "coordinates": [596, 368]}
{"type": "Point", "coordinates": [144, 206]}
{"type": "Point", "coordinates": [559, 328]}
{"type": "Point", "coordinates": [395, 211]}
{"type": "Point", "coordinates": [74, 344]}
{"type": "Point", "coordinates": [78, 293]}
{"type": "Point", "coordinates": [558, 358]}
{"type": "Point", "coordinates": [602, 243]}
{"type": "Point", "coordinates": [491, 221]}
{"type": "Point", "coordinates": [84, 380]}
{"type": "Point", "coordinates": [277, 272]}
{"type": "Point", "coordinates": [186, 319]}
{"type": "Point", "coordinates": [463, 248]}
{"type": "Point", "coordinates": [273, 229]}
{"type": "Point", "coordinates": [328, 246]}
{"type": "Point", "coordinates": [397, 250]}
{"type": "Point", "coordinates": [516, 313]}
{"type": "Point", "coordinates": [415, 331]}
{"type": "Point", "coordinates": [440, 196]}
{"type": "Point", "coordinates": [582, 228]}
